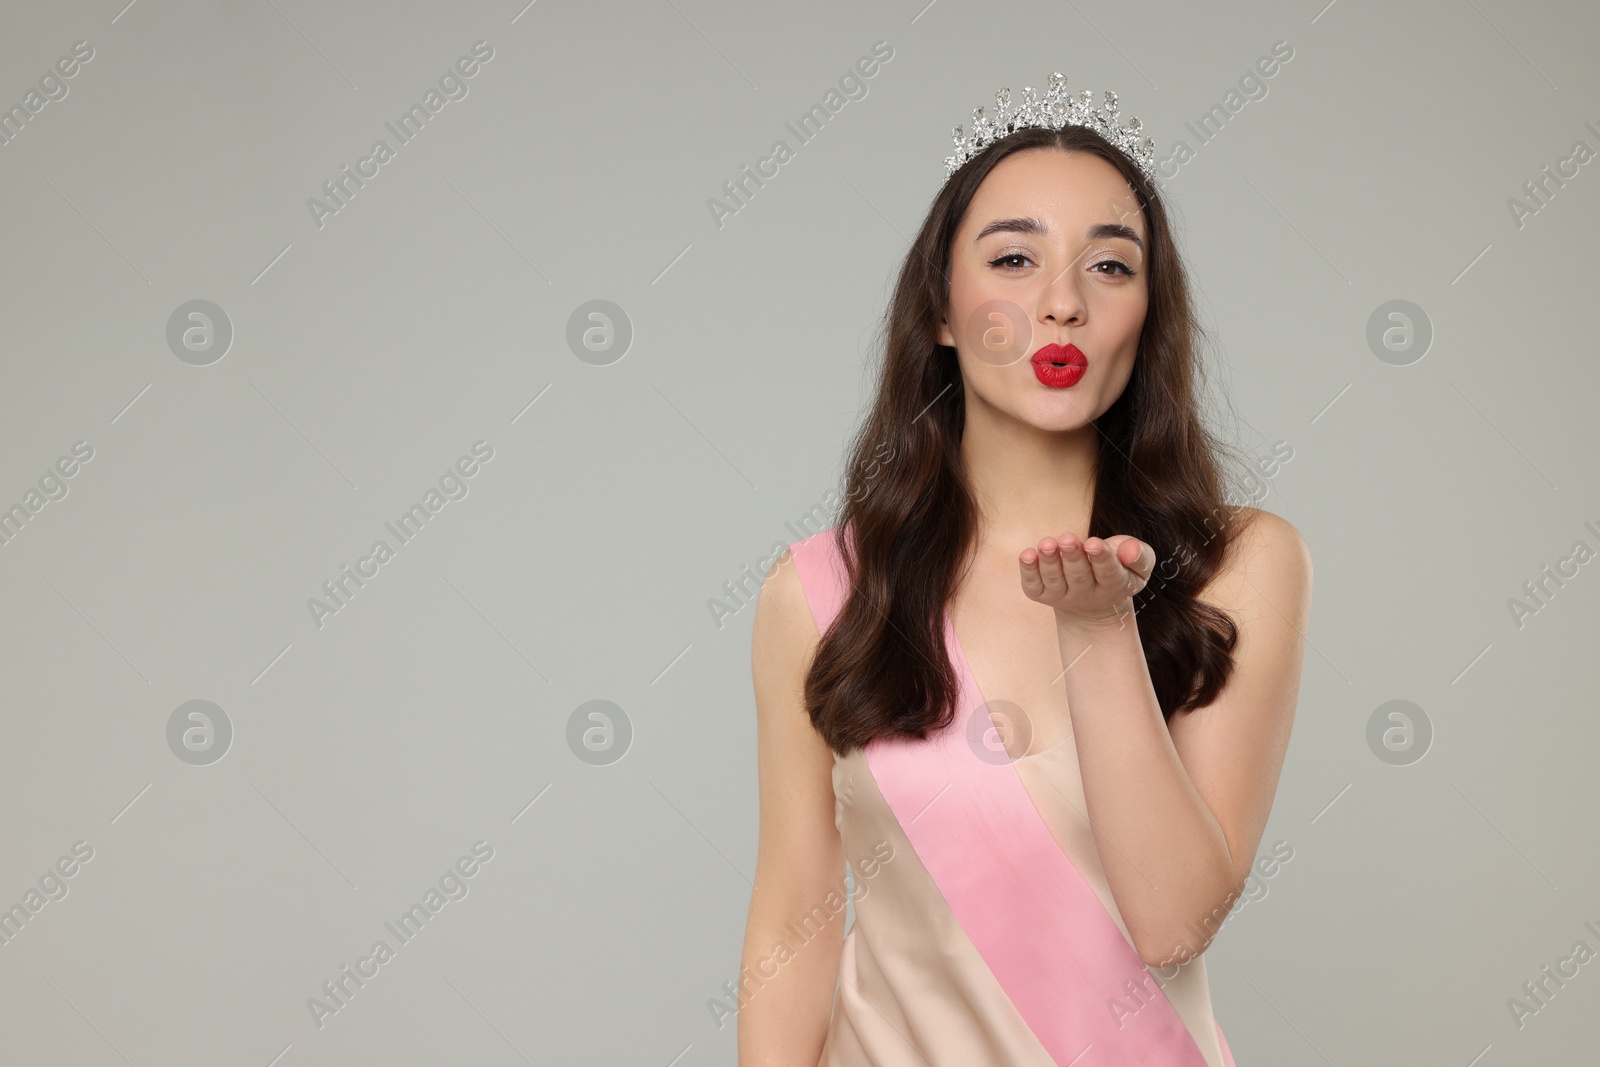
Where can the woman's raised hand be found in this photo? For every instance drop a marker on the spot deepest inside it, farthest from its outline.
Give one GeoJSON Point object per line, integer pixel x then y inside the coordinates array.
{"type": "Point", "coordinates": [1090, 582]}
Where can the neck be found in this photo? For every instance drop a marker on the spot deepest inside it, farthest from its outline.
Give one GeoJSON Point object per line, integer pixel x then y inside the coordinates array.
{"type": "Point", "coordinates": [1029, 483]}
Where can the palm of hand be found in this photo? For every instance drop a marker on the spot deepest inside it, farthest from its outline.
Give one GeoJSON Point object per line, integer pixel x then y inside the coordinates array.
{"type": "Point", "coordinates": [1090, 582]}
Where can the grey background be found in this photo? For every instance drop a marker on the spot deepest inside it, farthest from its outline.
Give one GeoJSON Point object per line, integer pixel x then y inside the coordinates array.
{"type": "Point", "coordinates": [430, 313]}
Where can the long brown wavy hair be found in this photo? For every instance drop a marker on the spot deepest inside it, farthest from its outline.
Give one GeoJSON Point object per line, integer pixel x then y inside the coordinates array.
{"type": "Point", "coordinates": [910, 520]}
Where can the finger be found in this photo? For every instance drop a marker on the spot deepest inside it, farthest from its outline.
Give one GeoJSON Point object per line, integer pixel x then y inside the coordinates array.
{"type": "Point", "coordinates": [1141, 559]}
{"type": "Point", "coordinates": [1109, 573]}
{"type": "Point", "coordinates": [1074, 564]}
{"type": "Point", "coordinates": [1127, 556]}
{"type": "Point", "coordinates": [1032, 581]}
{"type": "Point", "coordinates": [1143, 564]}
{"type": "Point", "coordinates": [1050, 569]}
{"type": "Point", "coordinates": [1041, 572]}
{"type": "Point", "coordinates": [1139, 568]}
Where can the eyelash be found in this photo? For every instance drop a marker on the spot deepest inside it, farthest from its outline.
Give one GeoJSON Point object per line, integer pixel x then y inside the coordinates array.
{"type": "Point", "coordinates": [1127, 271]}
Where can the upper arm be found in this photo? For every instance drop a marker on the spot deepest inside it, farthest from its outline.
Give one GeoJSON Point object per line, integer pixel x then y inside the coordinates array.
{"type": "Point", "coordinates": [1233, 748]}
{"type": "Point", "coordinates": [799, 854]}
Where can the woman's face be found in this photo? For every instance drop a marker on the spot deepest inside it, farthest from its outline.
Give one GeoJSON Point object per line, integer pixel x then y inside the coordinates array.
{"type": "Point", "coordinates": [1051, 252]}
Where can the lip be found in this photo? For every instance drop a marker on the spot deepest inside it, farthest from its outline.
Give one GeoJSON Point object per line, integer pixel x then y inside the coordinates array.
{"type": "Point", "coordinates": [1059, 366]}
{"type": "Point", "coordinates": [1054, 353]}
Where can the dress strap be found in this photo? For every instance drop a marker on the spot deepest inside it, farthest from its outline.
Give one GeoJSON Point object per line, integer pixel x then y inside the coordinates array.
{"type": "Point", "coordinates": [822, 576]}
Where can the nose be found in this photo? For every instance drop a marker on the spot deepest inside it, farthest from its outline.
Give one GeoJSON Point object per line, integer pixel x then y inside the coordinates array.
{"type": "Point", "coordinates": [1061, 303]}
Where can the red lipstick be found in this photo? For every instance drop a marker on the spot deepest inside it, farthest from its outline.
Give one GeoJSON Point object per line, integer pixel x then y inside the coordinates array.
{"type": "Point", "coordinates": [1059, 366]}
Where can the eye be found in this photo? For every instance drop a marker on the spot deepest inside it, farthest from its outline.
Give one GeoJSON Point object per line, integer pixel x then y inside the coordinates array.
{"type": "Point", "coordinates": [1127, 271]}
{"type": "Point", "coordinates": [1009, 256]}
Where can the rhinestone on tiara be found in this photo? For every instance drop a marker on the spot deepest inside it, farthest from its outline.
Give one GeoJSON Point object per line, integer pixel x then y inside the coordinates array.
{"type": "Point", "coordinates": [1056, 110]}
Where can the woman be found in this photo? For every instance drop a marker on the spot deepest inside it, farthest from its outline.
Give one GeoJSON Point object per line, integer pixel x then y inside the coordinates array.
{"type": "Point", "coordinates": [1036, 686]}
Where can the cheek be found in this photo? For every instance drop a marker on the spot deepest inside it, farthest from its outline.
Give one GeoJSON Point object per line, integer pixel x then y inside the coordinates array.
{"type": "Point", "coordinates": [966, 292]}
{"type": "Point", "coordinates": [1124, 317]}
{"type": "Point", "coordinates": [988, 325]}
{"type": "Point", "coordinates": [972, 278]}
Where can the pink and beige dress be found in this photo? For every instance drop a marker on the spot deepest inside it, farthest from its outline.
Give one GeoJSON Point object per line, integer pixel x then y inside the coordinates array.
{"type": "Point", "coordinates": [985, 931]}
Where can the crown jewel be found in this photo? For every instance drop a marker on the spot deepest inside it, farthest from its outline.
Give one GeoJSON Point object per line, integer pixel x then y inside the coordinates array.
{"type": "Point", "coordinates": [1056, 110]}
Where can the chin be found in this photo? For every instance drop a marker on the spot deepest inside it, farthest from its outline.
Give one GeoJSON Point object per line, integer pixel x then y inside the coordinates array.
{"type": "Point", "coordinates": [1059, 413]}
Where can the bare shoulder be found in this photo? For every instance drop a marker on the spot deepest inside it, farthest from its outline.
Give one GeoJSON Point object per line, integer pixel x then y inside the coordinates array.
{"type": "Point", "coordinates": [784, 630]}
{"type": "Point", "coordinates": [783, 644]}
{"type": "Point", "coordinates": [1265, 531]}
{"type": "Point", "coordinates": [1267, 560]}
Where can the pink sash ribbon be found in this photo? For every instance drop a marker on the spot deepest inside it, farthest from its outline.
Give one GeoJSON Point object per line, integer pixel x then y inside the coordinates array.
{"type": "Point", "coordinates": [1046, 936]}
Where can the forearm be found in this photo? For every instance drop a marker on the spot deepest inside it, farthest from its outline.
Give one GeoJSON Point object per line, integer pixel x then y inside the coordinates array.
{"type": "Point", "coordinates": [1165, 855]}
{"type": "Point", "coordinates": [785, 996]}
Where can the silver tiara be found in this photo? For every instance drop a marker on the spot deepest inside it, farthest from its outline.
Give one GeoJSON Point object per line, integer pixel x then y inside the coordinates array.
{"type": "Point", "coordinates": [1056, 110]}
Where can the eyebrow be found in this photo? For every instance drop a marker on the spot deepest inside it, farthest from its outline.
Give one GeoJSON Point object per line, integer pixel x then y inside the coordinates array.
{"type": "Point", "coordinates": [1037, 228]}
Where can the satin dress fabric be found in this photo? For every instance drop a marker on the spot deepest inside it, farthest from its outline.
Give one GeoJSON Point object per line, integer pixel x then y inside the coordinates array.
{"type": "Point", "coordinates": [985, 931]}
